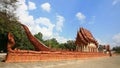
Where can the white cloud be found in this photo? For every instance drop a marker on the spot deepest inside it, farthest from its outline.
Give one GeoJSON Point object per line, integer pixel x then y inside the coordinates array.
{"type": "Point", "coordinates": [116, 39]}
{"type": "Point", "coordinates": [115, 2]}
{"type": "Point", "coordinates": [44, 21]}
{"type": "Point", "coordinates": [46, 7]}
{"type": "Point", "coordinates": [101, 41]}
{"type": "Point", "coordinates": [59, 24]}
{"type": "Point", "coordinates": [60, 38]}
{"type": "Point", "coordinates": [23, 14]}
{"type": "Point", "coordinates": [31, 6]}
{"type": "Point", "coordinates": [46, 27]}
{"type": "Point", "coordinates": [81, 17]}
{"type": "Point", "coordinates": [106, 42]}
{"type": "Point", "coordinates": [41, 24]}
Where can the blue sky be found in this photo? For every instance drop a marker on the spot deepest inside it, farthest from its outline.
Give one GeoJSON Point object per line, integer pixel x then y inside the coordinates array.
{"type": "Point", "coordinates": [62, 19]}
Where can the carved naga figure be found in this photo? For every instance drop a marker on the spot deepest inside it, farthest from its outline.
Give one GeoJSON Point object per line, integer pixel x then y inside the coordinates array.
{"type": "Point", "coordinates": [11, 42]}
{"type": "Point", "coordinates": [37, 44]}
{"type": "Point", "coordinates": [108, 49]}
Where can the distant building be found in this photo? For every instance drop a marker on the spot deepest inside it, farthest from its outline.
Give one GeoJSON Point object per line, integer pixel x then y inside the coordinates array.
{"type": "Point", "coordinates": [85, 41]}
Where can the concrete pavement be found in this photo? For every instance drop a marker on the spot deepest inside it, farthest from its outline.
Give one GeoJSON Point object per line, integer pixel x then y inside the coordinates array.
{"type": "Point", "coordinates": [111, 62]}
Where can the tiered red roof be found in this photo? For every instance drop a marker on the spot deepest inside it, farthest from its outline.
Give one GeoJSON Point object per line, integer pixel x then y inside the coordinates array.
{"type": "Point", "coordinates": [84, 36]}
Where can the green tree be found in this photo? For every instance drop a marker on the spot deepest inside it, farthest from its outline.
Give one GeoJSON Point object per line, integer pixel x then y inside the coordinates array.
{"type": "Point", "coordinates": [100, 48]}
{"type": "Point", "coordinates": [15, 28]}
{"type": "Point", "coordinates": [9, 23]}
{"type": "Point", "coordinates": [8, 8]}
{"type": "Point", "coordinates": [39, 36]}
{"type": "Point", "coordinates": [62, 46]}
{"type": "Point", "coordinates": [116, 49]}
{"type": "Point", "coordinates": [70, 45]}
{"type": "Point", "coordinates": [53, 43]}
{"type": "Point", "coordinates": [3, 41]}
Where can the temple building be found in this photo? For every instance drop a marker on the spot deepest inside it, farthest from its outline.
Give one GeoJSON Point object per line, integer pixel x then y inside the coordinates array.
{"type": "Point", "coordinates": [85, 41]}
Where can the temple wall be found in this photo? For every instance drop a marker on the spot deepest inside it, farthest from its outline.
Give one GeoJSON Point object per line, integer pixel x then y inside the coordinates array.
{"type": "Point", "coordinates": [90, 47]}
{"type": "Point", "coordinates": [50, 56]}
